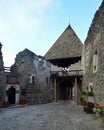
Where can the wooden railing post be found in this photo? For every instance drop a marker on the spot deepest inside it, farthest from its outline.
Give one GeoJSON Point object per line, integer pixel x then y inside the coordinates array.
{"type": "Point", "coordinates": [76, 91]}
{"type": "Point", "coordinates": [55, 99]}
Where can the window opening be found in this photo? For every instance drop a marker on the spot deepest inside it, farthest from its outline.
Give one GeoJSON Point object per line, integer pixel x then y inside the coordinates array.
{"type": "Point", "coordinates": [95, 61]}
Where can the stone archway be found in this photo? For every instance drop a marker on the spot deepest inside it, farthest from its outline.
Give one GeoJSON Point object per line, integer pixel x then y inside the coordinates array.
{"type": "Point", "coordinates": [11, 95]}
{"type": "Point", "coordinates": [15, 95]}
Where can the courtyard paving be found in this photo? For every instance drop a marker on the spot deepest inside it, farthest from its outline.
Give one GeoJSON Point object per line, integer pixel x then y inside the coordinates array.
{"type": "Point", "coordinates": [52, 116]}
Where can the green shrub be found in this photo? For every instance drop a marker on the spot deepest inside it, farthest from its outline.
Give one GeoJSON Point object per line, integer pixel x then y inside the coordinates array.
{"type": "Point", "coordinates": [81, 99]}
{"type": "Point", "coordinates": [84, 93]}
{"type": "Point", "coordinates": [90, 93]}
{"type": "Point", "coordinates": [23, 92]}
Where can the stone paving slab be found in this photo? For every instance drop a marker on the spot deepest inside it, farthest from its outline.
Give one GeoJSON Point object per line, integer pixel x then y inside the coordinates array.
{"type": "Point", "coordinates": [52, 116]}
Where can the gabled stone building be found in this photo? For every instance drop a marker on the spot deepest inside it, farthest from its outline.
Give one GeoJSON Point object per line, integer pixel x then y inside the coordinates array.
{"type": "Point", "coordinates": [66, 73]}
{"type": "Point", "coordinates": [93, 57]}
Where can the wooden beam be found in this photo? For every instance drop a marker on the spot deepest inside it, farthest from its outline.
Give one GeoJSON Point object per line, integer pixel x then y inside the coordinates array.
{"type": "Point", "coordinates": [76, 91]}
{"type": "Point", "coordinates": [55, 99]}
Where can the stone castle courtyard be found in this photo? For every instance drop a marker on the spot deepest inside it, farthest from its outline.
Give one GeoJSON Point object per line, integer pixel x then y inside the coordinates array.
{"type": "Point", "coordinates": [53, 116]}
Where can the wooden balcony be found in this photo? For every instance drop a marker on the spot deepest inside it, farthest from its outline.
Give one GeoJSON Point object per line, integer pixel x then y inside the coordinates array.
{"type": "Point", "coordinates": [66, 73]}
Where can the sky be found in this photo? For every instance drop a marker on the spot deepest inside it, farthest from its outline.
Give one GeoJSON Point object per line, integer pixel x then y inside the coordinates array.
{"type": "Point", "coordinates": [37, 24]}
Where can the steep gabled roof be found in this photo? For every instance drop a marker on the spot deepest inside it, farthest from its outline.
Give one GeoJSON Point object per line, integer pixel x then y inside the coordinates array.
{"type": "Point", "coordinates": [68, 45]}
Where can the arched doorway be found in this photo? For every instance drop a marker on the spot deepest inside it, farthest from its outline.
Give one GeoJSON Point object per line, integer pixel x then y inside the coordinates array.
{"type": "Point", "coordinates": [11, 95]}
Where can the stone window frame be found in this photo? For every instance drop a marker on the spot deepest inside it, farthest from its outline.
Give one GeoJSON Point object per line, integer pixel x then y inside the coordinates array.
{"type": "Point", "coordinates": [87, 55]}
{"type": "Point", "coordinates": [90, 87]}
{"type": "Point", "coordinates": [95, 61]}
{"type": "Point", "coordinates": [47, 79]}
{"type": "Point", "coordinates": [32, 79]}
{"type": "Point", "coordinates": [42, 63]}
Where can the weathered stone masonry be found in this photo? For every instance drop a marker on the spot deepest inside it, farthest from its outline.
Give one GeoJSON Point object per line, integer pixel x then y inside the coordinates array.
{"type": "Point", "coordinates": [34, 74]}
{"type": "Point", "coordinates": [94, 45]}
{"type": "Point", "coordinates": [2, 77]}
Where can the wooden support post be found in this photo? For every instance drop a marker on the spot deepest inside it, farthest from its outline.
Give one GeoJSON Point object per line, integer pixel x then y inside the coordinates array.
{"type": "Point", "coordinates": [76, 91]}
{"type": "Point", "coordinates": [55, 90]}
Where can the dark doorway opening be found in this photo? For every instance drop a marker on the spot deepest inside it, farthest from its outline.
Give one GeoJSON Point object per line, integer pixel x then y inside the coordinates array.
{"type": "Point", "coordinates": [65, 90]}
{"type": "Point", "coordinates": [11, 95]}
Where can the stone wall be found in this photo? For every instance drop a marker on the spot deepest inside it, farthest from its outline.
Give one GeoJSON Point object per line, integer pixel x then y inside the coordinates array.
{"type": "Point", "coordinates": [34, 74]}
{"type": "Point", "coordinates": [94, 43]}
{"type": "Point", "coordinates": [2, 77]}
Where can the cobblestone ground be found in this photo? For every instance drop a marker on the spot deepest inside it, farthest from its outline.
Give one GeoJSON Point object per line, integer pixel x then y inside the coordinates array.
{"type": "Point", "coordinates": [52, 116]}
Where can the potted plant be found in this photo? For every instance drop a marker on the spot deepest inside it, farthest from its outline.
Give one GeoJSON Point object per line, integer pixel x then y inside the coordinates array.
{"type": "Point", "coordinates": [5, 104]}
{"type": "Point", "coordinates": [97, 109]}
{"type": "Point", "coordinates": [90, 96]}
{"type": "Point", "coordinates": [84, 103]}
{"type": "Point", "coordinates": [90, 93]}
{"type": "Point", "coordinates": [23, 92]}
{"type": "Point", "coordinates": [84, 93]}
{"type": "Point", "coordinates": [81, 99]}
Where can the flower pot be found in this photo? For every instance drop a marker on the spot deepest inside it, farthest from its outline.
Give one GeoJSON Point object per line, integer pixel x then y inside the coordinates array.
{"type": "Point", "coordinates": [83, 103]}
{"type": "Point", "coordinates": [5, 104]}
{"type": "Point", "coordinates": [22, 102]}
{"type": "Point", "coordinates": [98, 114]}
{"type": "Point", "coordinates": [102, 113]}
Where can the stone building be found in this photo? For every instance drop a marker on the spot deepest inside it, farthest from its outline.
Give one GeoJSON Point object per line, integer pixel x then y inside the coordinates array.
{"type": "Point", "coordinates": [66, 72]}
{"type": "Point", "coordinates": [68, 68]}
{"type": "Point", "coordinates": [93, 57]}
{"type": "Point", "coordinates": [2, 77]}
{"type": "Point", "coordinates": [31, 74]}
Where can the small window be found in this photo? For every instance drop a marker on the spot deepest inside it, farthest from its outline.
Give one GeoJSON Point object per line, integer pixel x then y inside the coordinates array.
{"type": "Point", "coordinates": [32, 79]}
{"type": "Point", "coordinates": [42, 64]}
{"type": "Point", "coordinates": [90, 87]}
{"type": "Point", "coordinates": [87, 56]}
{"type": "Point", "coordinates": [95, 62]}
{"type": "Point", "coordinates": [46, 80]}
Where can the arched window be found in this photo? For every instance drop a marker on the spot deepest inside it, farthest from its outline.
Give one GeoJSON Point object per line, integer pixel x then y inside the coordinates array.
{"type": "Point", "coordinates": [95, 61]}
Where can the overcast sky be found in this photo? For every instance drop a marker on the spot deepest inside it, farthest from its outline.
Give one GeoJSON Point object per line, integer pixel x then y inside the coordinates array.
{"type": "Point", "coordinates": [37, 24]}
